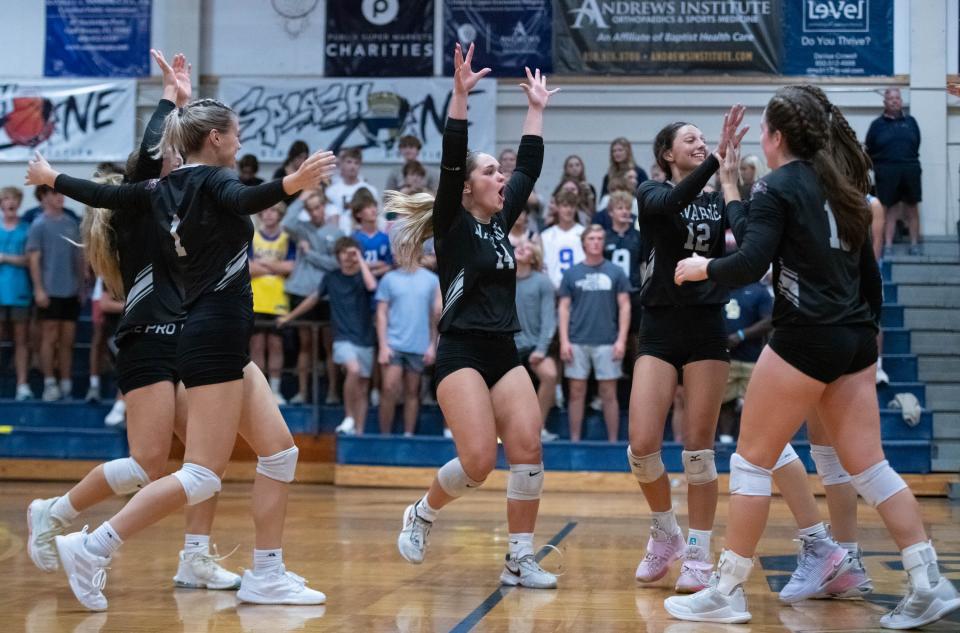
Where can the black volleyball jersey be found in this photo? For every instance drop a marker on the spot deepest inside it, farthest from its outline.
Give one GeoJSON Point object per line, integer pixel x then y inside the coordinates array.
{"type": "Point", "coordinates": [148, 263]}
{"type": "Point", "coordinates": [677, 221]}
{"type": "Point", "coordinates": [818, 279]}
{"type": "Point", "coordinates": [478, 273]}
{"type": "Point", "coordinates": [210, 226]}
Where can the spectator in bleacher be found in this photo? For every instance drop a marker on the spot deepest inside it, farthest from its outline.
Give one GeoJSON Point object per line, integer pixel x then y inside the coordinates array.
{"type": "Point", "coordinates": [410, 151]}
{"type": "Point", "coordinates": [748, 319]}
{"type": "Point", "coordinates": [408, 310]}
{"type": "Point", "coordinates": [574, 169]}
{"type": "Point", "coordinates": [346, 186]}
{"type": "Point", "coordinates": [521, 231]}
{"type": "Point", "coordinates": [374, 244]}
{"type": "Point", "coordinates": [752, 169]}
{"type": "Point", "coordinates": [624, 185]}
{"type": "Point", "coordinates": [15, 291]}
{"type": "Point", "coordinates": [271, 260]}
{"type": "Point", "coordinates": [580, 191]}
{"type": "Point", "coordinates": [44, 192]}
{"type": "Point", "coordinates": [623, 248]}
{"type": "Point", "coordinates": [297, 153]}
{"type": "Point", "coordinates": [414, 178]}
{"type": "Point", "coordinates": [56, 269]}
{"type": "Point", "coordinates": [316, 256]}
{"type": "Point", "coordinates": [350, 289]}
{"type": "Point", "coordinates": [893, 143]}
{"type": "Point", "coordinates": [562, 247]}
{"type": "Point", "coordinates": [593, 315]}
{"type": "Point", "coordinates": [508, 162]}
{"type": "Point", "coordinates": [657, 173]}
{"type": "Point", "coordinates": [621, 162]}
{"type": "Point", "coordinates": [537, 313]}
{"type": "Point", "coordinates": [247, 168]}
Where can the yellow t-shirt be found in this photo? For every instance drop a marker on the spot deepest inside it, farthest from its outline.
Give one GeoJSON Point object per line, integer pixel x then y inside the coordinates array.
{"type": "Point", "coordinates": [268, 294]}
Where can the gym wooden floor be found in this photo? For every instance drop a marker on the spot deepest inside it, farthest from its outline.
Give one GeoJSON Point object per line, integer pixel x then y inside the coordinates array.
{"type": "Point", "coordinates": [344, 541]}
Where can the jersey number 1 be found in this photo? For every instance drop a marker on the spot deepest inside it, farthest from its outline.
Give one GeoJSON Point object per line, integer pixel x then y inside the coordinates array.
{"type": "Point", "coordinates": [835, 241]}
{"type": "Point", "coordinates": [181, 251]}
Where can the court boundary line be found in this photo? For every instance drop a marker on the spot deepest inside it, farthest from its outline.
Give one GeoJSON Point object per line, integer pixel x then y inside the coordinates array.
{"type": "Point", "coordinates": [491, 601]}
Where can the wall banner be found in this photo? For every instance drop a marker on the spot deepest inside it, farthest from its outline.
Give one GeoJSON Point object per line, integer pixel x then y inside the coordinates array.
{"type": "Point", "coordinates": [850, 38]}
{"type": "Point", "coordinates": [368, 113]}
{"type": "Point", "coordinates": [667, 37]}
{"type": "Point", "coordinates": [379, 38]}
{"type": "Point", "coordinates": [507, 34]}
{"type": "Point", "coordinates": [67, 120]}
{"type": "Point", "coordinates": [93, 38]}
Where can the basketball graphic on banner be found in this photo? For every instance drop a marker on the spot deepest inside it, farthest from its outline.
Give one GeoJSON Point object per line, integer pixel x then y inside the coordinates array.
{"type": "Point", "coordinates": [30, 122]}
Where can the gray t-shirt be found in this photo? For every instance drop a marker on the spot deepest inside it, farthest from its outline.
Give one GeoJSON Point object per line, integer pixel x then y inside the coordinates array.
{"type": "Point", "coordinates": [60, 261]}
{"type": "Point", "coordinates": [594, 311]}
{"type": "Point", "coordinates": [536, 311]}
{"type": "Point", "coordinates": [409, 296]}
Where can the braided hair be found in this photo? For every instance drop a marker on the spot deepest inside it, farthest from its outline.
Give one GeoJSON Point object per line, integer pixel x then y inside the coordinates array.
{"type": "Point", "coordinates": [815, 130]}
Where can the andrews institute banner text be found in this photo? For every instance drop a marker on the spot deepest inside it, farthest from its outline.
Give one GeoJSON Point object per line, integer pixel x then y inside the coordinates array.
{"type": "Point", "coordinates": [508, 34]}
{"type": "Point", "coordinates": [368, 113]}
{"type": "Point", "coordinates": [379, 38]}
{"type": "Point", "coordinates": [67, 120]}
{"type": "Point", "coordinates": [667, 37]}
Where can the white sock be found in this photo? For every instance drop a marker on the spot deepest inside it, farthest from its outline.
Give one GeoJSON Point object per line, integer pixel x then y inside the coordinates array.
{"type": "Point", "coordinates": [275, 385]}
{"type": "Point", "coordinates": [66, 386]}
{"type": "Point", "coordinates": [424, 511]}
{"type": "Point", "coordinates": [196, 543]}
{"type": "Point", "coordinates": [521, 544]}
{"type": "Point", "coordinates": [266, 561]}
{"type": "Point", "coordinates": [63, 511]}
{"type": "Point", "coordinates": [853, 547]}
{"type": "Point", "coordinates": [94, 381]}
{"type": "Point", "coordinates": [880, 362]}
{"type": "Point", "coordinates": [817, 531]}
{"type": "Point", "coordinates": [49, 382]}
{"type": "Point", "coordinates": [103, 541]}
{"type": "Point", "coordinates": [666, 521]}
{"type": "Point", "coordinates": [701, 539]}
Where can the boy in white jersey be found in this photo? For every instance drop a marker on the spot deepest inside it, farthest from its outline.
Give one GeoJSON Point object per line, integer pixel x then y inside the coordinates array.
{"type": "Point", "coordinates": [562, 247]}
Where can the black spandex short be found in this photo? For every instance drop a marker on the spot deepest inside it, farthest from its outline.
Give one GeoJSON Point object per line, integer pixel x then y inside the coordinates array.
{"type": "Point", "coordinates": [319, 312]}
{"type": "Point", "coordinates": [214, 346]}
{"type": "Point", "coordinates": [490, 354]}
{"type": "Point", "coordinates": [683, 334]}
{"type": "Point", "coordinates": [60, 309]}
{"type": "Point", "coordinates": [898, 182]}
{"type": "Point", "coordinates": [146, 359]}
{"type": "Point", "coordinates": [826, 352]}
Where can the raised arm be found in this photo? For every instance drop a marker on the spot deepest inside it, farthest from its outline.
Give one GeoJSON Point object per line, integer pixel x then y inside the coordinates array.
{"type": "Point", "coordinates": [656, 198]}
{"type": "Point", "coordinates": [734, 208]}
{"type": "Point", "coordinates": [453, 161]}
{"type": "Point", "coordinates": [530, 153]}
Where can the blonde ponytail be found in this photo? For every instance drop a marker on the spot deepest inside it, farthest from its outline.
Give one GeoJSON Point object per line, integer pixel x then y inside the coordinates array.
{"type": "Point", "coordinates": [100, 242]}
{"type": "Point", "coordinates": [185, 129]}
{"type": "Point", "coordinates": [414, 224]}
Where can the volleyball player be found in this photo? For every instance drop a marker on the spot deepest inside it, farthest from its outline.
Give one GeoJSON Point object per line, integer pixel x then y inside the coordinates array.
{"type": "Point", "coordinates": [681, 332]}
{"type": "Point", "coordinates": [483, 390]}
{"type": "Point", "coordinates": [810, 218]}
{"type": "Point", "coordinates": [129, 252]}
{"type": "Point", "coordinates": [207, 208]}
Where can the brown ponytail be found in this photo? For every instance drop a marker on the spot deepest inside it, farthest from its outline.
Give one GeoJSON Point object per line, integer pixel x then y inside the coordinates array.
{"type": "Point", "coordinates": [814, 129]}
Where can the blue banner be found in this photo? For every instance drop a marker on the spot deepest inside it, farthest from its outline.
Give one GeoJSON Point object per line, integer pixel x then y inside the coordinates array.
{"type": "Point", "coordinates": [846, 38]}
{"type": "Point", "coordinates": [508, 34]}
{"type": "Point", "coordinates": [92, 38]}
{"type": "Point", "coordinates": [379, 38]}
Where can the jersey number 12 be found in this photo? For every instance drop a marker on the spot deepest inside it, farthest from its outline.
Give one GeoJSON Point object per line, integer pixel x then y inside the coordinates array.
{"type": "Point", "coordinates": [701, 238]}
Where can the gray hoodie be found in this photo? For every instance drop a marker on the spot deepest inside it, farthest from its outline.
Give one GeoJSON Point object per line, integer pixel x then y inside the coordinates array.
{"type": "Point", "coordinates": [311, 265]}
{"type": "Point", "coordinates": [536, 311]}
